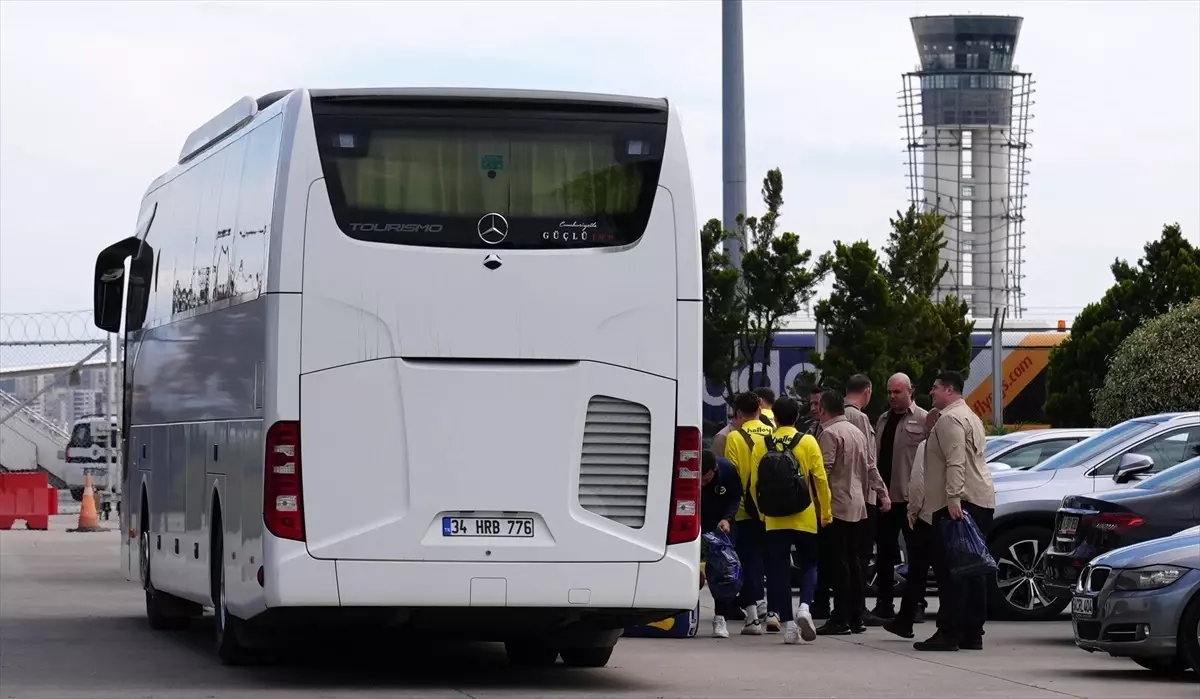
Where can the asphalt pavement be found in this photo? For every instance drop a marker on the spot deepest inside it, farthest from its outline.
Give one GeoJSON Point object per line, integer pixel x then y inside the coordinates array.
{"type": "Point", "coordinates": [71, 626]}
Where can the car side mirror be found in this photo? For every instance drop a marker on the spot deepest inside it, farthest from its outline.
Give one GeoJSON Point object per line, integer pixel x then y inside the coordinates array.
{"type": "Point", "coordinates": [1131, 466]}
{"type": "Point", "coordinates": [999, 466]}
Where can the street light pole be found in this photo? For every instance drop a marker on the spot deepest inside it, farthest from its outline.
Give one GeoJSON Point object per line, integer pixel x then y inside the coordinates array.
{"type": "Point", "coordinates": [733, 125]}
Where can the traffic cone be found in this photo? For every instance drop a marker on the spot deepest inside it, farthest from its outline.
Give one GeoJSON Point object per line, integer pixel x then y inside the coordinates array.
{"type": "Point", "coordinates": [89, 521]}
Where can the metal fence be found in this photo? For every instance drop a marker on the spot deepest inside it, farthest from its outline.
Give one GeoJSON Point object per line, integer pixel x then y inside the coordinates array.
{"type": "Point", "coordinates": [60, 385]}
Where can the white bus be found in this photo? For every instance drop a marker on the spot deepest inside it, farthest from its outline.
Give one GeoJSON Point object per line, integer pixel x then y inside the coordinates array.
{"type": "Point", "coordinates": [423, 357]}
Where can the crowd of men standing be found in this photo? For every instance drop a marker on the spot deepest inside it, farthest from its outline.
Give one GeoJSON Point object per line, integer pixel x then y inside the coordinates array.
{"type": "Point", "coordinates": [870, 484]}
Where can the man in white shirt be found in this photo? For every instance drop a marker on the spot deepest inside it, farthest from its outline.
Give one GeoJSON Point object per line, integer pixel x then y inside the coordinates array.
{"type": "Point", "coordinates": [921, 523]}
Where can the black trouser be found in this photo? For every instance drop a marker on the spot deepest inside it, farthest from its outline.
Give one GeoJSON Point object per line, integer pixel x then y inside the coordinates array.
{"type": "Point", "coordinates": [919, 540]}
{"type": "Point", "coordinates": [826, 563]}
{"type": "Point", "coordinates": [750, 544]}
{"type": "Point", "coordinates": [962, 601]}
{"type": "Point", "coordinates": [889, 527]}
{"type": "Point", "coordinates": [848, 587]}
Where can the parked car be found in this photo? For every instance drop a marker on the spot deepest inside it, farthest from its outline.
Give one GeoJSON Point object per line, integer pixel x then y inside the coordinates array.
{"type": "Point", "coordinates": [1088, 526]}
{"type": "Point", "coordinates": [1028, 501]}
{"type": "Point", "coordinates": [1021, 451]}
{"type": "Point", "coordinates": [1143, 602]}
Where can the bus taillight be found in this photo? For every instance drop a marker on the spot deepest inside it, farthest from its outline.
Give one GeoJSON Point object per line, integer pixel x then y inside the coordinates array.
{"type": "Point", "coordinates": [283, 501]}
{"type": "Point", "coordinates": [685, 487]}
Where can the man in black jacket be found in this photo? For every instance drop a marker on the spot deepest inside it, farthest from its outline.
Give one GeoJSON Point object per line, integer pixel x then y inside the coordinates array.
{"type": "Point", "coordinates": [720, 496]}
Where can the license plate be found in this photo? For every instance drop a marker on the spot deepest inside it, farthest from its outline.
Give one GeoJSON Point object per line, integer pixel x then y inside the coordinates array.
{"type": "Point", "coordinates": [1069, 524]}
{"type": "Point", "coordinates": [503, 527]}
{"type": "Point", "coordinates": [1083, 607]}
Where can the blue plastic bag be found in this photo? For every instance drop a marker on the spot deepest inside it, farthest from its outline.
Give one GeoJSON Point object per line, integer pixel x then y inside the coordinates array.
{"type": "Point", "coordinates": [966, 551]}
{"type": "Point", "coordinates": [723, 568]}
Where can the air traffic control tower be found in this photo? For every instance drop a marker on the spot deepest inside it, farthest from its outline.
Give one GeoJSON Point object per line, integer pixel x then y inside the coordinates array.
{"type": "Point", "coordinates": [966, 116]}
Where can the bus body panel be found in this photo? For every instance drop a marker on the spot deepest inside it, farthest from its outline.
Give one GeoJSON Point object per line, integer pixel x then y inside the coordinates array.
{"type": "Point", "coordinates": [365, 301]}
{"type": "Point", "coordinates": [393, 446]}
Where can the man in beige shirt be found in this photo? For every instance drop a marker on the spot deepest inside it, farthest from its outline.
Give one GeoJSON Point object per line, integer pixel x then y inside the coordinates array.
{"type": "Point", "coordinates": [846, 453]}
{"type": "Point", "coordinates": [858, 397]}
{"type": "Point", "coordinates": [898, 432]}
{"type": "Point", "coordinates": [957, 481]}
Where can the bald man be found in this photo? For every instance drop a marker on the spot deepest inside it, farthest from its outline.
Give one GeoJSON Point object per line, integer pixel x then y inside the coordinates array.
{"type": "Point", "coordinates": [898, 433]}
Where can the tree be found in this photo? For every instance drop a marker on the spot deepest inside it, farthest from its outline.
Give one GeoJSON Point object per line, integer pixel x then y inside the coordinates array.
{"type": "Point", "coordinates": [1154, 370]}
{"type": "Point", "coordinates": [743, 311]}
{"type": "Point", "coordinates": [778, 279]}
{"type": "Point", "coordinates": [880, 317]}
{"type": "Point", "coordinates": [724, 314]}
{"type": "Point", "coordinates": [1168, 274]}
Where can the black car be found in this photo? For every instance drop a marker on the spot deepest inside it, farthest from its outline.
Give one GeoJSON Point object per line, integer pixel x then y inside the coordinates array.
{"type": "Point", "coordinates": [1087, 526]}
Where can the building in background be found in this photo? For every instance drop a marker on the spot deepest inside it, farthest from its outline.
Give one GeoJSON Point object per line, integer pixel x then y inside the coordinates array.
{"type": "Point", "coordinates": [966, 117]}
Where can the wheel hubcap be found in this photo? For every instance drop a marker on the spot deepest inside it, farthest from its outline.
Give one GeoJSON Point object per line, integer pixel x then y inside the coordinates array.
{"type": "Point", "coordinates": [1022, 575]}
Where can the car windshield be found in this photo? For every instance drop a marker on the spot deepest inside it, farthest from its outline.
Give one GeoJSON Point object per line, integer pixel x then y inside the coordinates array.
{"type": "Point", "coordinates": [1092, 447]}
{"type": "Point", "coordinates": [996, 445]}
{"type": "Point", "coordinates": [1179, 476]}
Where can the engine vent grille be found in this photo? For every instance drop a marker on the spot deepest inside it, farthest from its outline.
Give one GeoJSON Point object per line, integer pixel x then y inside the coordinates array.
{"type": "Point", "coordinates": [614, 471]}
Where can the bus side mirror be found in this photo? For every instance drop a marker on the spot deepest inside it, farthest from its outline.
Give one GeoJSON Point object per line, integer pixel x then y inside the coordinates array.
{"type": "Point", "coordinates": [109, 285]}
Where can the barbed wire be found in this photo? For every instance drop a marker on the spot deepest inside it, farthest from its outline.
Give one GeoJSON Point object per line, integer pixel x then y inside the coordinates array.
{"type": "Point", "coordinates": [49, 327]}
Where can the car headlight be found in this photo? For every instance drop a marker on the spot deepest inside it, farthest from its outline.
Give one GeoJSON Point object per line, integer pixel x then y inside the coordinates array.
{"type": "Point", "coordinates": [1150, 577]}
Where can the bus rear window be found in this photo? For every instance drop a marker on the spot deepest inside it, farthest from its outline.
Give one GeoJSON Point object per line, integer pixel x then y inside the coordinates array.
{"type": "Point", "coordinates": [509, 180]}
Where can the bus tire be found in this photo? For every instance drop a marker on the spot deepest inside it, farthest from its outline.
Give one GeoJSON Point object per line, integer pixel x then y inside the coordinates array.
{"type": "Point", "coordinates": [530, 653]}
{"type": "Point", "coordinates": [228, 629]}
{"type": "Point", "coordinates": [587, 657]}
{"type": "Point", "coordinates": [164, 612]}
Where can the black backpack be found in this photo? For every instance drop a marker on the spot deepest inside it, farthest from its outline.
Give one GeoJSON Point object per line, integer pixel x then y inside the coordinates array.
{"type": "Point", "coordinates": [781, 488]}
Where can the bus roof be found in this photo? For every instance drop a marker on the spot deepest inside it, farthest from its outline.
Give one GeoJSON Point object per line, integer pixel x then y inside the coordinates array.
{"type": "Point", "coordinates": [483, 93]}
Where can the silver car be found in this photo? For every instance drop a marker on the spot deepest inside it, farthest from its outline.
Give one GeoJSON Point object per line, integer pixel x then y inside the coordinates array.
{"type": "Point", "coordinates": [1021, 451]}
{"type": "Point", "coordinates": [1027, 501]}
{"type": "Point", "coordinates": [1143, 602]}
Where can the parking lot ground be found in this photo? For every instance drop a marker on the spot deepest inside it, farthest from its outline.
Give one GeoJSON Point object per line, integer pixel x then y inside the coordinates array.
{"type": "Point", "coordinates": [72, 627]}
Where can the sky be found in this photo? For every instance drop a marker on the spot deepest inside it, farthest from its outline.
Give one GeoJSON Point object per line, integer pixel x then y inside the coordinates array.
{"type": "Point", "coordinates": [97, 98]}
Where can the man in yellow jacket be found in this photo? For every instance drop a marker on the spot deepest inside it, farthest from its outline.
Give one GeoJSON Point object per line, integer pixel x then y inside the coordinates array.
{"type": "Point", "coordinates": [743, 442]}
{"type": "Point", "coordinates": [797, 530]}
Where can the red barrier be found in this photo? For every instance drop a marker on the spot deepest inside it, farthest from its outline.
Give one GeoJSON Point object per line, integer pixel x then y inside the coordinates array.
{"type": "Point", "coordinates": [23, 496]}
{"type": "Point", "coordinates": [52, 495]}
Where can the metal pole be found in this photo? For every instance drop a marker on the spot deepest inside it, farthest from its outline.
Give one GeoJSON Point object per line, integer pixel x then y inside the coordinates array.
{"type": "Point", "coordinates": [998, 367]}
{"type": "Point", "coordinates": [733, 126]}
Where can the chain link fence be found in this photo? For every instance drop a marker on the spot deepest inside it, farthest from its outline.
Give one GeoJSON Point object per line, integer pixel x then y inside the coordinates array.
{"type": "Point", "coordinates": [60, 398]}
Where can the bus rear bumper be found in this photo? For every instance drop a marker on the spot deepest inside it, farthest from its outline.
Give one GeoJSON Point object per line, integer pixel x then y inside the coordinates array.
{"type": "Point", "coordinates": [296, 579]}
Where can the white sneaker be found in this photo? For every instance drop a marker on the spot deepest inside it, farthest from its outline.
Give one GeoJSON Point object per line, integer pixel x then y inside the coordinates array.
{"type": "Point", "coordinates": [753, 626]}
{"type": "Point", "coordinates": [760, 609]}
{"type": "Point", "coordinates": [791, 633]}
{"type": "Point", "coordinates": [773, 625]}
{"type": "Point", "coordinates": [720, 630]}
{"type": "Point", "coordinates": [808, 630]}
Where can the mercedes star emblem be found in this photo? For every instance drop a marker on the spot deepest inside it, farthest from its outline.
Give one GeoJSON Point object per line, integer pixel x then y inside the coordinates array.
{"type": "Point", "coordinates": [492, 262]}
{"type": "Point", "coordinates": [493, 228]}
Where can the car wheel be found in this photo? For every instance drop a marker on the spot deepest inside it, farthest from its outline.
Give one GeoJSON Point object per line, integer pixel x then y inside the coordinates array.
{"type": "Point", "coordinates": [1189, 635]}
{"type": "Point", "coordinates": [1018, 589]}
{"type": "Point", "coordinates": [1163, 666]}
{"type": "Point", "coordinates": [77, 494]}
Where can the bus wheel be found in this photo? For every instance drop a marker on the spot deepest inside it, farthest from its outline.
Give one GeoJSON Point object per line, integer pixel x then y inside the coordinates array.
{"type": "Point", "coordinates": [587, 657]}
{"type": "Point", "coordinates": [230, 648]}
{"type": "Point", "coordinates": [530, 653]}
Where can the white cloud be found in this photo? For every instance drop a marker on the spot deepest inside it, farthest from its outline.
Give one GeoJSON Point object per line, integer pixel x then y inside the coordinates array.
{"type": "Point", "coordinates": [96, 100]}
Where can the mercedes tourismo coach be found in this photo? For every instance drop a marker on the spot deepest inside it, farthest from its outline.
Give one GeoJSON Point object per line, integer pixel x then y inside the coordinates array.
{"type": "Point", "coordinates": [422, 356]}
